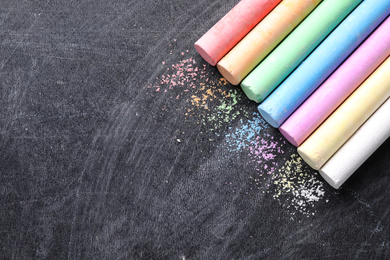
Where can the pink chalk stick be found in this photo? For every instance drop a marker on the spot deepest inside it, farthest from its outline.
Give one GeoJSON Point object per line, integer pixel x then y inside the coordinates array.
{"type": "Point", "coordinates": [338, 86]}
{"type": "Point", "coordinates": [226, 33]}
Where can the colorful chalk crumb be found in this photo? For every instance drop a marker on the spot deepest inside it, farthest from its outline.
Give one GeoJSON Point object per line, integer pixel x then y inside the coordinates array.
{"type": "Point", "coordinates": [261, 147]}
{"type": "Point", "coordinates": [299, 186]}
{"type": "Point", "coordinates": [213, 103]}
{"type": "Point", "coordinates": [292, 183]}
{"type": "Point", "coordinates": [210, 103]}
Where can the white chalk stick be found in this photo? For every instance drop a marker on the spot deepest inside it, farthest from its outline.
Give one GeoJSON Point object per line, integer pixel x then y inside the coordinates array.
{"type": "Point", "coordinates": [358, 148]}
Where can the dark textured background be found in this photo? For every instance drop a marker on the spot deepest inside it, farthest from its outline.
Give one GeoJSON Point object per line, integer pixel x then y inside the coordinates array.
{"type": "Point", "coordinates": [95, 167]}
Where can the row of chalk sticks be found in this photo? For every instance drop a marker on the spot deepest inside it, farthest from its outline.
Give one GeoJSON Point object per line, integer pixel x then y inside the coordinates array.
{"type": "Point", "coordinates": [319, 68]}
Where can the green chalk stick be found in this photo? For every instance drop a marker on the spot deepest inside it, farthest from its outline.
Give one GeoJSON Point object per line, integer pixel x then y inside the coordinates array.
{"type": "Point", "coordinates": [295, 48]}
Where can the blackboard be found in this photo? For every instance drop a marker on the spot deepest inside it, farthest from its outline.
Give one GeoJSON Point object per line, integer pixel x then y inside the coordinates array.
{"type": "Point", "coordinates": [117, 141]}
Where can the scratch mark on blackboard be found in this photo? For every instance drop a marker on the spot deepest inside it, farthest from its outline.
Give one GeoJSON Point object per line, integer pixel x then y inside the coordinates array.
{"type": "Point", "coordinates": [101, 163]}
{"type": "Point", "coordinates": [379, 226]}
{"type": "Point", "coordinates": [176, 159]}
{"type": "Point", "coordinates": [370, 210]}
{"type": "Point", "coordinates": [19, 43]}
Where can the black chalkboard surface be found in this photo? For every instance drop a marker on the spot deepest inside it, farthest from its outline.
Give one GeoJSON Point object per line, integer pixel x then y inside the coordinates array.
{"type": "Point", "coordinates": [117, 141]}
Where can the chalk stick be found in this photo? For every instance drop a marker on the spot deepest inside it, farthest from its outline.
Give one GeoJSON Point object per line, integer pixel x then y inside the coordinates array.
{"type": "Point", "coordinates": [323, 61]}
{"type": "Point", "coordinates": [338, 86]}
{"type": "Point", "coordinates": [263, 38]}
{"type": "Point", "coordinates": [341, 125]}
{"type": "Point", "coordinates": [358, 148]}
{"type": "Point", "coordinates": [228, 31]}
{"type": "Point", "coordinates": [295, 48]}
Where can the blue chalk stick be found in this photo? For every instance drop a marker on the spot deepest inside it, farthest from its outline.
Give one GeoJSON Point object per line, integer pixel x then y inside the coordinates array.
{"type": "Point", "coordinates": [323, 61]}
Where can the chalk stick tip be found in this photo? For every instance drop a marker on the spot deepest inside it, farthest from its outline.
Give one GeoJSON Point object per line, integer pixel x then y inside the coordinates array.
{"type": "Point", "coordinates": [249, 91]}
{"type": "Point", "coordinates": [311, 159]}
{"type": "Point", "coordinates": [286, 133]}
{"type": "Point", "coordinates": [204, 53]}
{"type": "Point", "coordinates": [267, 116]}
{"type": "Point", "coordinates": [227, 73]}
{"type": "Point", "coordinates": [335, 183]}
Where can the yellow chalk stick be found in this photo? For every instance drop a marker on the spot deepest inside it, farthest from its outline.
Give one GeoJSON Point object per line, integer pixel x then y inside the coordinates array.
{"type": "Point", "coordinates": [263, 38]}
{"type": "Point", "coordinates": [343, 123]}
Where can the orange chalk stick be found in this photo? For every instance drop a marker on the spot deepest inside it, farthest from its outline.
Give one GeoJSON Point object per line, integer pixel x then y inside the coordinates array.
{"type": "Point", "coordinates": [226, 33]}
{"type": "Point", "coordinates": [264, 37]}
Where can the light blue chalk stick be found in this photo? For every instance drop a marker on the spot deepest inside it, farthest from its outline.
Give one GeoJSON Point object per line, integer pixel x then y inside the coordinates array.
{"type": "Point", "coordinates": [323, 61]}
